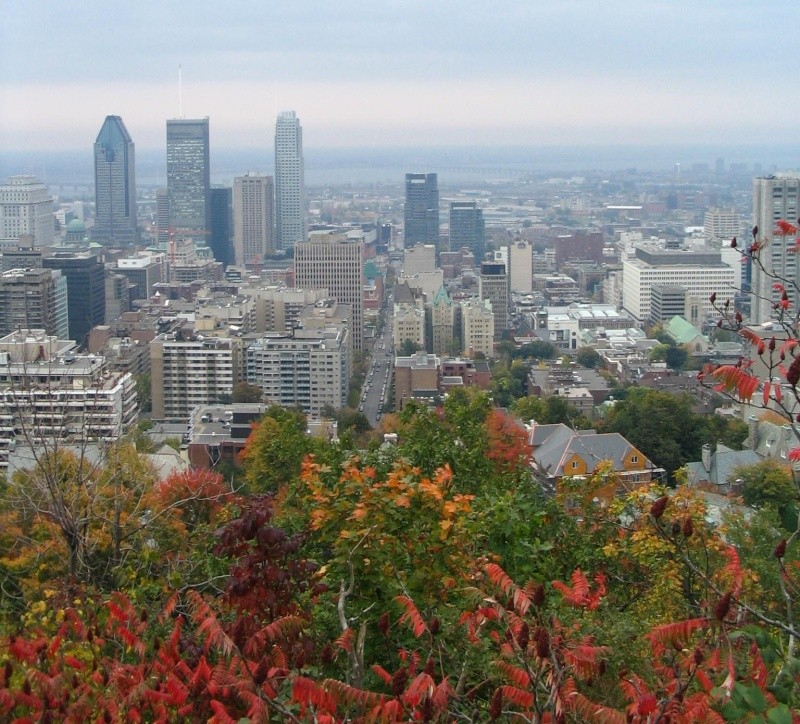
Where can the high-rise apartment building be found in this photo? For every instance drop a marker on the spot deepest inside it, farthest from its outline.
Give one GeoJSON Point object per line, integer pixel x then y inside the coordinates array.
{"type": "Point", "coordinates": [334, 263]}
{"type": "Point", "coordinates": [253, 219]}
{"type": "Point", "coordinates": [722, 224]}
{"type": "Point", "coordinates": [86, 290]}
{"type": "Point", "coordinates": [775, 198]}
{"type": "Point", "coordinates": [467, 228]}
{"type": "Point", "coordinates": [221, 238]}
{"type": "Point", "coordinates": [290, 204]}
{"type": "Point", "coordinates": [305, 368]}
{"type": "Point", "coordinates": [34, 299]}
{"type": "Point", "coordinates": [493, 286]}
{"type": "Point", "coordinates": [477, 327]}
{"type": "Point", "coordinates": [114, 185]}
{"type": "Point", "coordinates": [54, 395]}
{"type": "Point", "coordinates": [186, 373]}
{"type": "Point", "coordinates": [421, 211]}
{"type": "Point", "coordinates": [189, 175]}
{"type": "Point", "coordinates": [26, 210]}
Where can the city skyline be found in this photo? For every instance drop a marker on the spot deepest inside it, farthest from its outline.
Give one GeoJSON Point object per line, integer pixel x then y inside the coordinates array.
{"type": "Point", "coordinates": [546, 74]}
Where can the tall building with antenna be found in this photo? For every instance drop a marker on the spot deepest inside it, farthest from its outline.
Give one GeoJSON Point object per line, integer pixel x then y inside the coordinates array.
{"type": "Point", "coordinates": [189, 174]}
{"type": "Point", "coordinates": [114, 185]}
{"type": "Point", "coordinates": [289, 181]}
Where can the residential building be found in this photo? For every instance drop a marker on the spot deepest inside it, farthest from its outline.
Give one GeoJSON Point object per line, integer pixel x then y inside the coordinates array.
{"type": "Point", "coordinates": [115, 185]}
{"type": "Point", "coordinates": [700, 273]}
{"type": "Point", "coordinates": [477, 327]}
{"type": "Point", "coordinates": [442, 325]}
{"type": "Point", "coordinates": [189, 176]}
{"type": "Point", "coordinates": [334, 262]}
{"type": "Point", "coordinates": [221, 238]}
{"type": "Point", "coordinates": [717, 466]}
{"type": "Point", "coordinates": [279, 308]}
{"type": "Point", "coordinates": [253, 219]}
{"type": "Point", "coordinates": [520, 255]}
{"type": "Point", "coordinates": [408, 326]}
{"type": "Point", "coordinates": [50, 395]}
{"type": "Point", "coordinates": [421, 211]}
{"type": "Point", "coordinates": [775, 198]}
{"type": "Point", "coordinates": [305, 368]}
{"type": "Point", "coordinates": [34, 299]}
{"type": "Point", "coordinates": [415, 376]}
{"type": "Point", "coordinates": [467, 228]}
{"type": "Point", "coordinates": [26, 210]}
{"type": "Point", "coordinates": [290, 204]}
{"type": "Point", "coordinates": [86, 290]}
{"type": "Point", "coordinates": [186, 372]}
{"type": "Point", "coordinates": [722, 224]}
{"type": "Point", "coordinates": [560, 452]}
{"type": "Point", "coordinates": [493, 286]}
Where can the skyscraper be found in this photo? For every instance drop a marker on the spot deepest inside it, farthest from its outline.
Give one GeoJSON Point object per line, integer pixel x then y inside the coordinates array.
{"type": "Point", "coordinates": [467, 228]}
{"type": "Point", "coordinates": [114, 185]}
{"type": "Point", "coordinates": [253, 219]}
{"type": "Point", "coordinates": [34, 299]}
{"type": "Point", "coordinates": [222, 224]}
{"type": "Point", "coordinates": [774, 198]}
{"type": "Point", "coordinates": [334, 263]}
{"type": "Point", "coordinates": [289, 181]}
{"type": "Point", "coordinates": [189, 174]}
{"type": "Point", "coordinates": [421, 213]}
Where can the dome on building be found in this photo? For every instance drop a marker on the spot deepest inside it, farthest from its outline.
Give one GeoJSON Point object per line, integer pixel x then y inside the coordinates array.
{"type": "Point", "coordinates": [76, 226]}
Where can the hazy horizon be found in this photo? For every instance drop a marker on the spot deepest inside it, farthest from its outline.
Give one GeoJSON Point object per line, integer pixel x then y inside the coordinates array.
{"type": "Point", "coordinates": [411, 74]}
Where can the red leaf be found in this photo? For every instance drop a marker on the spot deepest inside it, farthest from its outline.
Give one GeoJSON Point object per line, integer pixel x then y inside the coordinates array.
{"type": "Point", "coordinates": [412, 616]}
{"type": "Point", "coordinates": [516, 696]}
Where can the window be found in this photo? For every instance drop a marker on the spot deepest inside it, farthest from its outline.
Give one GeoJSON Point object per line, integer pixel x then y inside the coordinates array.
{"type": "Point", "coordinates": [634, 458]}
{"type": "Point", "coordinates": [574, 464]}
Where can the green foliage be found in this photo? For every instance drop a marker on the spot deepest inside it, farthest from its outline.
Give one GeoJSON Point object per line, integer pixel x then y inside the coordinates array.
{"type": "Point", "coordinates": [767, 483]}
{"type": "Point", "coordinates": [588, 357]}
{"type": "Point", "coordinates": [659, 424]}
{"type": "Point", "coordinates": [550, 410]}
{"type": "Point", "coordinates": [407, 348]}
{"type": "Point", "coordinates": [245, 392]}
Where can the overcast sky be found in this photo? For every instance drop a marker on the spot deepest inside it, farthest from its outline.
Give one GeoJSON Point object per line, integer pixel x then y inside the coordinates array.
{"type": "Point", "coordinates": [405, 73]}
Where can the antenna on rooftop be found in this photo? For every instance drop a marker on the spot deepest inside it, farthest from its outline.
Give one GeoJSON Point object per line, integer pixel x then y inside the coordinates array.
{"type": "Point", "coordinates": [180, 91]}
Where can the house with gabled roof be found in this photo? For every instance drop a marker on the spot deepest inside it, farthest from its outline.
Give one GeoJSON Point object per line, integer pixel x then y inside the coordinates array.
{"type": "Point", "coordinates": [560, 452]}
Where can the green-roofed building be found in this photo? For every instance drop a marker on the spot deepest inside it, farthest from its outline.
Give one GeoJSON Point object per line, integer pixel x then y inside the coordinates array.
{"type": "Point", "coordinates": [687, 335]}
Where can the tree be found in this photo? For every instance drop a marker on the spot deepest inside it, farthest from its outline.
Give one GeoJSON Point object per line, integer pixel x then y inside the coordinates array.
{"type": "Point", "coordinates": [588, 357]}
{"type": "Point", "coordinates": [245, 392]}
{"type": "Point", "coordinates": [408, 347]}
{"type": "Point", "coordinates": [768, 482]}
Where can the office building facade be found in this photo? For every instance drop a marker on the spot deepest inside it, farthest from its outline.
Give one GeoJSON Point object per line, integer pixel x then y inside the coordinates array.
{"type": "Point", "coordinates": [253, 219]}
{"type": "Point", "coordinates": [115, 185]}
{"type": "Point", "coordinates": [26, 210]}
{"type": "Point", "coordinates": [86, 290]}
{"type": "Point", "coordinates": [467, 228]}
{"type": "Point", "coordinates": [421, 211]}
{"type": "Point", "coordinates": [334, 263]}
{"type": "Point", "coordinates": [221, 237]}
{"type": "Point", "coordinates": [290, 203]}
{"type": "Point", "coordinates": [189, 175]}
{"type": "Point", "coordinates": [775, 198]}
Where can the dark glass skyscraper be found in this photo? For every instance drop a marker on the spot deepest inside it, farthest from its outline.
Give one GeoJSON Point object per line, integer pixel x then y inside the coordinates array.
{"type": "Point", "coordinates": [189, 174]}
{"type": "Point", "coordinates": [421, 214]}
{"type": "Point", "coordinates": [221, 223]}
{"type": "Point", "coordinates": [467, 228]}
{"type": "Point", "coordinates": [114, 185]}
